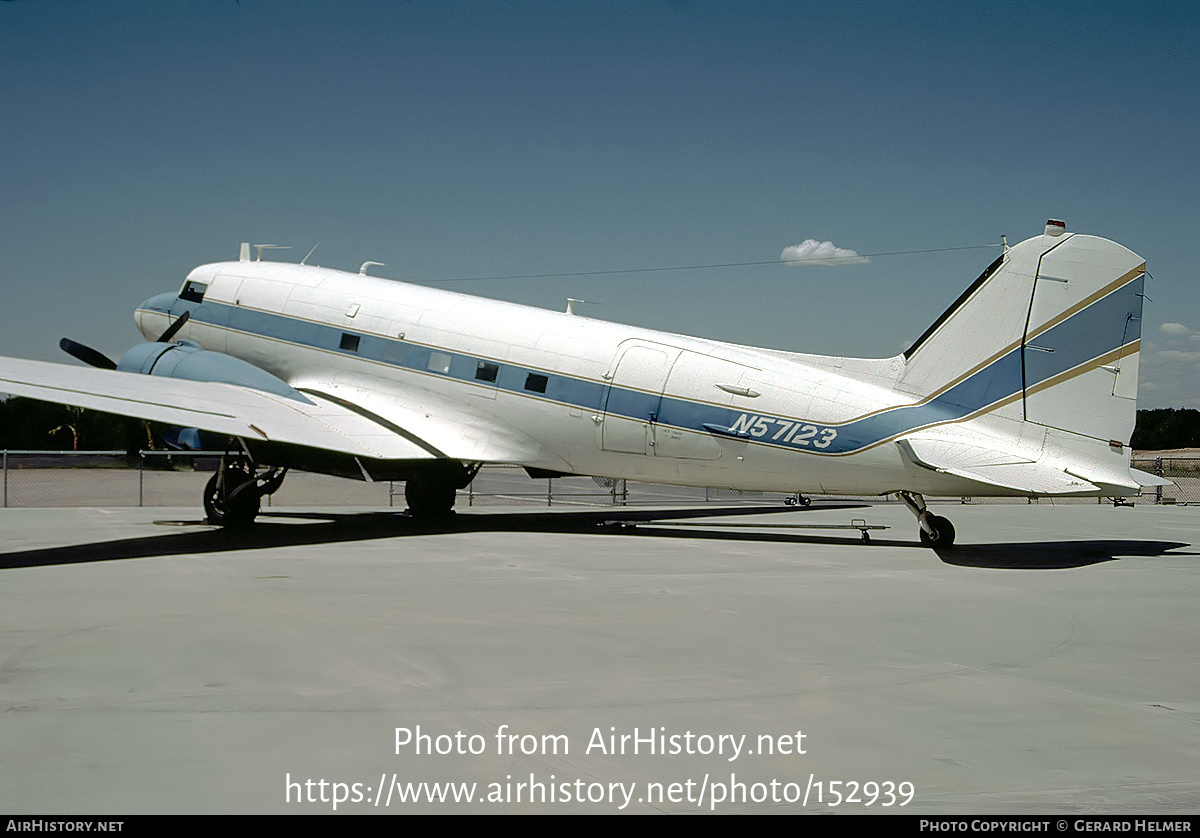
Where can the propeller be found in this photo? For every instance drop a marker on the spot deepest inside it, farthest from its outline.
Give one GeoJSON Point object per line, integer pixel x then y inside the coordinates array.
{"type": "Point", "coordinates": [99, 359]}
{"type": "Point", "coordinates": [87, 354]}
{"type": "Point", "coordinates": [166, 336]}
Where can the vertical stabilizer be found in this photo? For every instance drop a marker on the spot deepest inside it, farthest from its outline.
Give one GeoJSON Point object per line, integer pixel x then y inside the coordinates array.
{"type": "Point", "coordinates": [1048, 334]}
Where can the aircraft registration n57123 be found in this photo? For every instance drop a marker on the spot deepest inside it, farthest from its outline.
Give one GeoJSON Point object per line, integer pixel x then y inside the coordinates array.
{"type": "Point", "coordinates": [789, 433]}
{"type": "Point", "coordinates": [1025, 386]}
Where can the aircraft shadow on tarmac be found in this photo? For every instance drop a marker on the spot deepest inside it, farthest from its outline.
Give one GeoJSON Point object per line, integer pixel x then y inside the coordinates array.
{"type": "Point", "coordinates": [286, 529]}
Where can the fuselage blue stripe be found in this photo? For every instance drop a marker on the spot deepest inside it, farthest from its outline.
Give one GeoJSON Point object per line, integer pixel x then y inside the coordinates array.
{"type": "Point", "coordinates": [1106, 324]}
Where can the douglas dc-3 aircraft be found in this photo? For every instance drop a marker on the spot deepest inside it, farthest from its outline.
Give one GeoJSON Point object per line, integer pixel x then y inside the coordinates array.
{"type": "Point", "coordinates": [1025, 386]}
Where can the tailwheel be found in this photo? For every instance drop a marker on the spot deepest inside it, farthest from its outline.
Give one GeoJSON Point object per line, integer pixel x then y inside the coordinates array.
{"type": "Point", "coordinates": [943, 532]}
{"type": "Point", "coordinates": [935, 530]}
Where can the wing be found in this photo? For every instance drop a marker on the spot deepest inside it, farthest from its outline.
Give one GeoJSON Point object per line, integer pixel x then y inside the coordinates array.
{"type": "Point", "coordinates": [222, 408]}
{"type": "Point", "coordinates": [446, 427]}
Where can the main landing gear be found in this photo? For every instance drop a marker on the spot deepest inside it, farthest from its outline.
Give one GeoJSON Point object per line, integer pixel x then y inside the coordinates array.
{"type": "Point", "coordinates": [936, 531]}
{"type": "Point", "coordinates": [234, 494]}
{"type": "Point", "coordinates": [431, 492]}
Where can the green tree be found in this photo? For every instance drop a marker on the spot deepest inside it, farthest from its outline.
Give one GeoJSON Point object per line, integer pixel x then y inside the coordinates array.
{"type": "Point", "coordinates": [41, 426]}
{"type": "Point", "coordinates": [1167, 428]}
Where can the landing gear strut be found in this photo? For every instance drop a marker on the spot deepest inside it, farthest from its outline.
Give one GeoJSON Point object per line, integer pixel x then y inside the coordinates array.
{"type": "Point", "coordinates": [234, 494]}
{"type": "Point", "coordinates": [936, 531]}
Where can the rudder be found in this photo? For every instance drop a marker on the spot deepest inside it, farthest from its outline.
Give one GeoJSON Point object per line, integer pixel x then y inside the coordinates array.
{"type": "Point", "coordinates": [1083, 338]}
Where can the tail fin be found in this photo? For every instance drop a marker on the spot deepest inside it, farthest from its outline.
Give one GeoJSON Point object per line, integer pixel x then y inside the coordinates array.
{"type": "Point", "coordinates": [1049, 334]}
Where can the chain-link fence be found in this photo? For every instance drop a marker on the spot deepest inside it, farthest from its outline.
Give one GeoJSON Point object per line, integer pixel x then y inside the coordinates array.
{"type": "Point", "coordinates": [162, 478]}
{"type": "Point", "coordinates": [1184, 472]}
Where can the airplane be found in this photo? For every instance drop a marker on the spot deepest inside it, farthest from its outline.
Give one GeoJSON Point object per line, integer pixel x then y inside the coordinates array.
{"type": "Point", "coordinates": [1025, 386]}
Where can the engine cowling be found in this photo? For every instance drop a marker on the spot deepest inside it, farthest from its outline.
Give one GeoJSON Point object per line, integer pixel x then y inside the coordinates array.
{"type": "Point", "coordinates": [193, 363]}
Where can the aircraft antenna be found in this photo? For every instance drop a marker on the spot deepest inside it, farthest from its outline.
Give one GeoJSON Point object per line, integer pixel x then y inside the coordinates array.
{"type": "Point", "coordinates": [310, 253]}
{"type": "Point", "coordinates": [665, 268]}
{"type": "Point", "coordinates": [1004, 239]}
{"type": "Point", "coordinates": [571, 301]}
{"type": "Point", "coordinates": [262, 247]}
{"type": "Point", "coordinates": [362, 271]}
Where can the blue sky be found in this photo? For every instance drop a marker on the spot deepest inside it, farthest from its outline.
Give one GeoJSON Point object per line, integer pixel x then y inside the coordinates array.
{"type": "Point", "coordinates": [482, 139]}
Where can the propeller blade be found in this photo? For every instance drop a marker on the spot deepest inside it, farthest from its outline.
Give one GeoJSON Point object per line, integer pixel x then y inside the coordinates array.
{"type": "Point", "coordinates": [166, 336]}
{"type": "Point", "coordinates": [87, 354]}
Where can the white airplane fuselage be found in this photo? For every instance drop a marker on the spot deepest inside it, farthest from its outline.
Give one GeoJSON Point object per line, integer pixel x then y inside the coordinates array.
{"type": "Point", "coordinates": [567, 393]}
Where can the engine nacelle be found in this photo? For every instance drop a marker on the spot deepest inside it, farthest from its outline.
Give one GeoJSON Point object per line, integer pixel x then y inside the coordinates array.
{"type": "Point", "coordinates": [190, 362]}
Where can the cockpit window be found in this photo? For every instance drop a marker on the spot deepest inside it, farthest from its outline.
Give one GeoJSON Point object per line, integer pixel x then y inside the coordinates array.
{"type": "Point", "coordinates": [193, 291]}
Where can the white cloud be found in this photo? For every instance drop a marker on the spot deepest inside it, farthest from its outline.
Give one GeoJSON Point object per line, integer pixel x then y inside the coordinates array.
{"type": "Point", "coordinates": [1178, 355]}
{"type": "Point", "coordinates": [1174, 329]}
{"type": "Point", "coordinates": [1170, 377]}
{"type": "Point", "coordinates": [813, 252]}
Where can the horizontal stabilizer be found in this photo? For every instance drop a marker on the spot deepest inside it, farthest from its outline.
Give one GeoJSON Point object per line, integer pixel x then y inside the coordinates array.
{"type": "Point", "coordinates": [992, 467]}
{"type": "Point", "coordinates": [1147, 480]}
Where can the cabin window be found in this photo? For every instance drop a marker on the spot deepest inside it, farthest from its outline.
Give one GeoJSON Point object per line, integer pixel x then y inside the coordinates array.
{"type": "Point", "coordinates": [193, 291]}
{"type": "Point", "coordinates": [486, 372]}
{"type": "Point", "coordinates": [536, 383]}
{"type": "Point", "coordinates": [439, 362]}
{"type": "Point", "coordinates": [393, 352]}
{"type": "Point", "coordinates": [349, 342]}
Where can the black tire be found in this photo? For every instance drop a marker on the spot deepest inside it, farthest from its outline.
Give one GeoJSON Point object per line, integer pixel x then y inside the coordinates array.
{"type": "Point", "coordinates": [945, 533]}
{"type": "Point", "coordinates": [429, 498]}
{"type": "Point", "coordinates": [240, 505]}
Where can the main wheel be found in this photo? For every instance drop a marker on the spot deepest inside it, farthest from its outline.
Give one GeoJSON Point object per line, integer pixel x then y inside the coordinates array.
{"type": "Point", "coordinates": [429, 498]}
{"type": "Point", "coordinates": [944, 530]}
{"type": "Point", "coordinates": [238, 505]}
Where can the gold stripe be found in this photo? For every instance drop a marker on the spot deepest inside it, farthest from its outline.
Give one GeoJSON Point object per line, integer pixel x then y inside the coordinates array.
{"type": "Point", "coordinates": [1087, 366]}
{"type": "Point", "coordinates": [1075, 309]}
{"type": "Point", "coordinates": [1115, 355]}
{"type": "Point", "coordinates": [1116, 284]}
{"type": "Point", "coordinates": [1087, 301]}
